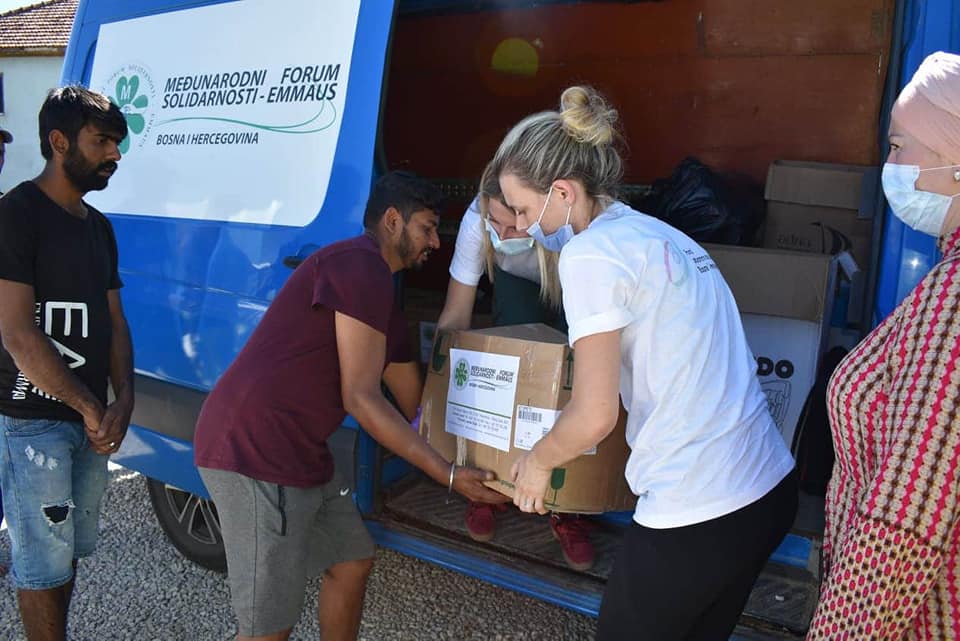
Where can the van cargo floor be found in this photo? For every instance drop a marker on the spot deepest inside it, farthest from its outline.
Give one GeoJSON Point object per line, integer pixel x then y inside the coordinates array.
{"type": "Point", "coordinates": [527, 536]}
{"type": "Point", "coordinates": [783, 597]}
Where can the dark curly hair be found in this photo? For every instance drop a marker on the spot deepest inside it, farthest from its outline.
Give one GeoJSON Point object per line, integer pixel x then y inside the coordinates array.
{"type": "Point", "coordinates": [405, 191]}
{"type": "Point", "coordinates": [70, 109]}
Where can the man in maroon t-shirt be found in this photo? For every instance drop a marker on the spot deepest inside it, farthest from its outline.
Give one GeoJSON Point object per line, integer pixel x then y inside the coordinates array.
{"type": "Point", "coordinates": [320, 352]}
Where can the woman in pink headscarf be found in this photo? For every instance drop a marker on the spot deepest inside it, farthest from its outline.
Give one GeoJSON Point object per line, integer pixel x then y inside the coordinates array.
{"type": "Point", "coordinates": [891, 551]}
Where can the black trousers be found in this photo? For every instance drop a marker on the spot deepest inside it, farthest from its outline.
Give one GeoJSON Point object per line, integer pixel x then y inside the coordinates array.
{"type": "Point", "coordinates": [691, 583]}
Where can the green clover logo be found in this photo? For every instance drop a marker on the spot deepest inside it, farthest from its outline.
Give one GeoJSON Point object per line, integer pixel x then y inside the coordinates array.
{"type": "Point", "coordinates": [130, 103]}
{"type": "Point", "coordinates": [557, 479]}
{"type": "Point", "coordinates": [461, 373]}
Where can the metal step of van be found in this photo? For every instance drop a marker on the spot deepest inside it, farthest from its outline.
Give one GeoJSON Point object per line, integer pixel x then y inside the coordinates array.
{"type": "Point", "coordinates": [525, 557]}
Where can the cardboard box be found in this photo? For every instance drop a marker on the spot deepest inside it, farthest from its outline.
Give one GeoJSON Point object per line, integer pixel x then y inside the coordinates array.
{"type": "Point", "coordinates": [815, 207]}
{"type": "Point", "coordinates": [786, 301]}
{"type": "Point", "coordinates": [823, 208]}
{"type": "Point", "coordinates": [491, 394]}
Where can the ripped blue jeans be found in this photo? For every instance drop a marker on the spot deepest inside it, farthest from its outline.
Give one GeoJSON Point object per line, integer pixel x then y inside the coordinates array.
{"type": "Point", "coordinates": [51, 482]}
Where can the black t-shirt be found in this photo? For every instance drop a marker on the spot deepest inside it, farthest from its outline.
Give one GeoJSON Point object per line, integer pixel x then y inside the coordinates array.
{"type": "Point", "coordinates": [71, 263]}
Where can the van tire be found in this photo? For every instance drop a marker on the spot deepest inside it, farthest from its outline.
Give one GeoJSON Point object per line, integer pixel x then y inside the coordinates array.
{"type": "Point", "coordinates": [191, 523]}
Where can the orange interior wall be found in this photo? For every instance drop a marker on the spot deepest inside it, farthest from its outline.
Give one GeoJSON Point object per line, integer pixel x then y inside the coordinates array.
{"type": "Point", "coordinates": [737, 83]}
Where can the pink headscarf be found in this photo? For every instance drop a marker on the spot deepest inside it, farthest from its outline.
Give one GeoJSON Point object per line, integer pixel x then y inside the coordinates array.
{"type": "Point", "coordinates": [929, 106]}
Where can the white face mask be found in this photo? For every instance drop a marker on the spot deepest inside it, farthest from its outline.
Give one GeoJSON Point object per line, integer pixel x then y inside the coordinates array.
{"type": "Point", "coordinates": [508, 246]}
{"type": "Point", "coordinates": [923, 211]}
{"type": "Point", "coordinates": [553, 241]}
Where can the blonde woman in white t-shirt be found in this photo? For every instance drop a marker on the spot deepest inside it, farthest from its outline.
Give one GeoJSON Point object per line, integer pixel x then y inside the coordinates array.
{"type": "Point", "coordinates": [652, 319]}
{"type": "Point", "coordinates": [526, 289]}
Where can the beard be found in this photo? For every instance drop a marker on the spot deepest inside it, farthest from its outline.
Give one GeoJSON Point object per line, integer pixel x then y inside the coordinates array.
{"type": "Point", "coordinates": [407, 252]}
{"type": "Point", "coordinates": [85, 175]}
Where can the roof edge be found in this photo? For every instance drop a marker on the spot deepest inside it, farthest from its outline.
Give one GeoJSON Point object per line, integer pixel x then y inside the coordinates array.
{"type": "Point", "coordinates": [25, 52]}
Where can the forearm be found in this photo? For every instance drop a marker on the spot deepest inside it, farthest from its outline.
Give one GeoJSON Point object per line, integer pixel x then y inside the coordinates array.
{"type": "Point", "coordinates": [404, 382]}
{"type": "Point", "coordinates": [453, 320]}
{"type": "Point", "coordinates": [458, 307]}
{"type": "Point", "coordinates": [389, 429]}
{"type": "Point", "coordinates": [42, 364]}
{"type": "Point", "coordinates": [886, 595]}
{"type": "Point", "coordinates": [578, 429]}
{"type": "Point", "coordinates": [121, 362]}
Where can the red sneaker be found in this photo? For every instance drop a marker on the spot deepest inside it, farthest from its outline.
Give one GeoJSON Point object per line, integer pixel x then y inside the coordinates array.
{"type": "Point", "coordinates": [481, 521]}
{"type": "Point", "coordinates": [573, 534]}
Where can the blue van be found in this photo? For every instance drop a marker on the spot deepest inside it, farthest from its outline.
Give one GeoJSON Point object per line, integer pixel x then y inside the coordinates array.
{"type": "Point", "coordinates": [258, 126]}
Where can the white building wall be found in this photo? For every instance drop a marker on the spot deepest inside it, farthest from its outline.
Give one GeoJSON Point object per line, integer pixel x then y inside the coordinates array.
{"type": "Point", "coordinates": [26, 82]}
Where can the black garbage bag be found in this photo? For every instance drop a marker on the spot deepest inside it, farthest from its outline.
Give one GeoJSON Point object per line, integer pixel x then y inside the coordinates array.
{"type": "Point", "coordinates": [813, 441]}
{"type": "Point", "coordinates": [706, 206]}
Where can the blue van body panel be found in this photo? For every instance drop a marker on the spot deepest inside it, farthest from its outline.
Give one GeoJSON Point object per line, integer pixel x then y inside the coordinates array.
{"type": "Point", "coordinates": [907, 255]}
{"type": "Point", "coordinates": [161, 457]}
{"type": "Point", "coordinates": [196, 289]}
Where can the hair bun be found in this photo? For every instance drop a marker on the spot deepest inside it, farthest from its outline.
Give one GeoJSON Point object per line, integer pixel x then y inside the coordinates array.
{"type": "Point", "coordinates": [587, 117]}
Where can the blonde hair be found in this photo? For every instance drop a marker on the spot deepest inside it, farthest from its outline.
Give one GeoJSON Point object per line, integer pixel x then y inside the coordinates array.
{"type": "Point", "coordinates": [578, 142]}
{"type": "Point", "coordinates": [547, 262]}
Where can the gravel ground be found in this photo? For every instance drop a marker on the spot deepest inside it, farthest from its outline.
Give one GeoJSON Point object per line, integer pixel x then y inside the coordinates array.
{"type": "Point", "coordinates": [137, 587]}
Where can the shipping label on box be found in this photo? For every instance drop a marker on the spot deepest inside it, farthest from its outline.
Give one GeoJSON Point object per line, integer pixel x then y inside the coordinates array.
{"type": "Point", "coordinates": [533, 423]}
{"type": "Point", "coordinates": [480, 396]}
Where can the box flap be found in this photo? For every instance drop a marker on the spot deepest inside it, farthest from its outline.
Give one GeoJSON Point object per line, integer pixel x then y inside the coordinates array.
{"type": "Point", "coordinates": [822, 184]}
{"type": "Point", "coordinates": [778, 282]}
{"type": "Point", "coordinates": [528, 332]}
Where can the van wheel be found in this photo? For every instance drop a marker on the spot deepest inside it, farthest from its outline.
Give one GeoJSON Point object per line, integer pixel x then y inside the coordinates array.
{"type": "Point", "coordinates": [191, 523]}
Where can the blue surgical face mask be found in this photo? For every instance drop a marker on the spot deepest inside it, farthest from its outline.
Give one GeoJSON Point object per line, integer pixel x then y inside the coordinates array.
{"type": "Point", "coordinates": [923, 211]}
{"type": "Point", "coordinates": [508, 246]}
{"type": "Point", "coordinates": [555, 241]}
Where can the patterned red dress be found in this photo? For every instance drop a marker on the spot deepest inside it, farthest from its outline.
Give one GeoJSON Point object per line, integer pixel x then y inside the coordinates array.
{"type": "Point", "coordinates": [891, 553]}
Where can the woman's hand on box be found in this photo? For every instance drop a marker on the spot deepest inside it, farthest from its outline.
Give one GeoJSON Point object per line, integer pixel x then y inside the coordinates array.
{"type": "Point", "coordinates": [530, 480]}
{"type": "Point", "coordinates": [468, 481]}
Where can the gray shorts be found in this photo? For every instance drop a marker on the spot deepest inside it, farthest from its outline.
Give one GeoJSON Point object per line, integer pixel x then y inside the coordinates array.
{"type": "Point", "coordinates": [277, 538]}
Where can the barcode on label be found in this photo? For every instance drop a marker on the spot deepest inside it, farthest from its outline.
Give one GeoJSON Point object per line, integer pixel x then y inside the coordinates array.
{"type": "Point", "coordinates": [526, 414]}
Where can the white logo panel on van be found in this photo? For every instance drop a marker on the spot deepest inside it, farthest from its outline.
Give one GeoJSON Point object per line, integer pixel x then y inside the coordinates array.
{"type": "Point", "coordinates": [245, 137]}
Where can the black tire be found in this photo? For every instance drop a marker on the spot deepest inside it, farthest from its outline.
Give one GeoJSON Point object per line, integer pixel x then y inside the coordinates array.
{"type": "Point", "coordinates": [191, 523]}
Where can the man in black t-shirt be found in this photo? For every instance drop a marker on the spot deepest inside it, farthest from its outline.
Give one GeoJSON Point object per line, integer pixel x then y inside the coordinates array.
{"type": "Point", "coordinates": [64, 336]}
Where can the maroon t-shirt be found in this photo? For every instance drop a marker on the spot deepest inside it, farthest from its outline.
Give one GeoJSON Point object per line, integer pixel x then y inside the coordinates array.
{"type": "Point", "coordinates": [270, 414]}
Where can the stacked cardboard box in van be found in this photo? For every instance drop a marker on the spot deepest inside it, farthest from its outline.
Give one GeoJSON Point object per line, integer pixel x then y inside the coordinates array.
{"type": "Point", "coordinates": [786, 300]}
{"type": "Point", "coordinates": [824, 208]}
{"type": "Point", "coordinates": [820, 207]}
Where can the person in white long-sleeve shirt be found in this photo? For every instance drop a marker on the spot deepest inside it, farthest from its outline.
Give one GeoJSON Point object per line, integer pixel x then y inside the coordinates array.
{"type": "Point", "coordinates": [526, 289]}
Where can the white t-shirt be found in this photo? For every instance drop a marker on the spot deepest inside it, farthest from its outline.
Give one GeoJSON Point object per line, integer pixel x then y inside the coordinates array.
{"type": "Point", "coordinates": [469, 262]}
{"type": "Point", "coordinates": [703, 443]}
